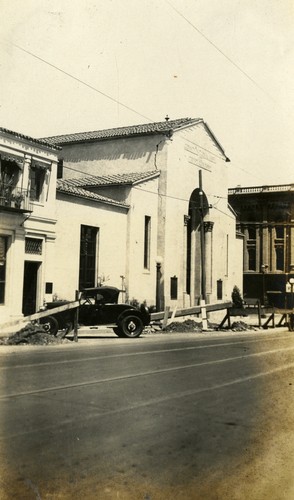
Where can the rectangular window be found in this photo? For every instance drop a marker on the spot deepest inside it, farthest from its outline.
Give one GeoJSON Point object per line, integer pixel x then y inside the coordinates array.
{"type": "Point", "coordinates": [87, 276]}
{"type": "Point", "coordinates": [3, 252]}
{"type": "Point", "coordinates": [37, 178]}
{"type": "Point", "coordinates": [33, 246]}
{"type": "Point", "coordinates": [147, 239]}
{"type": "Point", "coordinates": [60, 169]}
{"type": "Point", "coordinates": [251, 248]}
{"type": "Point", "coordinates": [280, 248]}
{"type": "Point", "coordinates": [174, 288]}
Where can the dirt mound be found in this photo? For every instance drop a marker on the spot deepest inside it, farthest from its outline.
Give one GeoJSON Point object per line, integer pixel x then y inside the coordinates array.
{"type": "Point", "coordinates": [32, 334]}
{"type": "Point", "coordinates": [240, 326]}
{"type": "Point", "coordinates": [189, 325]}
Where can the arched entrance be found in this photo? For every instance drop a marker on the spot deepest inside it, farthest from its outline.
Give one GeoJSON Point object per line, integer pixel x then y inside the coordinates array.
{"type": "Point", "coordinates": [195, 275]}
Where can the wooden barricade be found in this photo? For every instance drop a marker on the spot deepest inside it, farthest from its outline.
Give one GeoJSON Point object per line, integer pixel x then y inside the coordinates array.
{"type": "Point", "coordinates": [287, 319]}
{"type": "Point", "coordinates": [202, 309]}
{"type": "Point", "coordinates": [47, 312]}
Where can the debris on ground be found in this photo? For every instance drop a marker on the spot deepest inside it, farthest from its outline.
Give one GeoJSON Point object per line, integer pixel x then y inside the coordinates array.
{"type": "Point", "coordinates": [241, 326]}
{"type": "Point", "coordinates": [189, 325]}
{"type": "Point", "coordinates": [32, 334]}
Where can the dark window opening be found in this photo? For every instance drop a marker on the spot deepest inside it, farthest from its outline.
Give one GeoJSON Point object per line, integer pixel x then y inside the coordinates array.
{"type": "Point", "coordinates": [251, 233]}
{"type": "Point", "coordinates": [280, 248]}
{"type": "Point", "coordinates": [37, 178]}
{"type": "Point", "coordinates": [9, 175]}
{"type": "Point", "coordinates": [147, 240]}
{"type": "Point", "coordinates": [280, 232]}
{"type": "Point", "coordinates": [33, 246]}
{"type": "Point", "coordinates": [280, 261]}
{"type": "Point", "coordinates": [60, 169]}
{"type": "Point", "coordinates": [219, 289]}
{"type": "Point", "coordinates": [174, 288]}
{"type": "Point", "coordinates": [251, 258]}
{"type": "Point", "coordinates": [88, 244]}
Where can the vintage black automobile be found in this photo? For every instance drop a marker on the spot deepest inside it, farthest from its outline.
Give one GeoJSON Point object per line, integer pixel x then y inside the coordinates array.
{"type": "Point", "coordinates": [99, 306]}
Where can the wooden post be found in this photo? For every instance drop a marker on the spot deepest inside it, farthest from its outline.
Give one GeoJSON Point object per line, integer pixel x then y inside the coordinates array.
{"type": "Point", "coordinates": [165, 318]}
{"type": "Point", "coordinates": [259, 313]}
{"type": "Point", "coordinates": [203, 315]}
{"type": "Point", "coordinates": [229, 318]}
{"type": "Point", "coordinates": [76, 319]}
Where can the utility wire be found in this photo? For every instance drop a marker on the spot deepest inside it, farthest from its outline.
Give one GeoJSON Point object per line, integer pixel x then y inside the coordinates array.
{"type": "Point", "coordinates": [220, 51]}
{"type": "Point", "coordinates": [79, 80]}
{"type": "Point", "coordinates": [138, 188]}
{"type": "Point", "coordinates": [119, 102]}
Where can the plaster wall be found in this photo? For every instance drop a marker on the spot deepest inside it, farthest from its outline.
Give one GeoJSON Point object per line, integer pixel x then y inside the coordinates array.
{"type": "Point", "coordinates": [190, 151]}
{"type": "Point", "coordinates": [136, 154]}
{"type": "Point", "coordinates": [141, 281]}
{"type": "Point", "coordinates": [111, 223]}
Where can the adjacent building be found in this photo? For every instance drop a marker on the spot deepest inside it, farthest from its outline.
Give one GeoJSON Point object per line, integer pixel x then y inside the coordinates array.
{"type": "Point", "coordinates": [28, 169]}
{"type": "Point", "coordinates": [266, 219]}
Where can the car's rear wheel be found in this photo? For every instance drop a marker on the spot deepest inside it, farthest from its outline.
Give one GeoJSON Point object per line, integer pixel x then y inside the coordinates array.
{"type": "Point", "coordinates": [50, 325]}
{"type": "Point", "coordinates": [131, 326]}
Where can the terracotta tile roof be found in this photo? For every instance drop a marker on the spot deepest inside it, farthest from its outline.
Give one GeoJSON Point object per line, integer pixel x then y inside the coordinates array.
{"type": "Point", "coordinates": [113, 180]}
{"type": "Point", "coordinates": [42, 142]}
{"type": "Point", "coordinates": [165, 127]}
{"type": "Point", "coordinates": [66, 187]}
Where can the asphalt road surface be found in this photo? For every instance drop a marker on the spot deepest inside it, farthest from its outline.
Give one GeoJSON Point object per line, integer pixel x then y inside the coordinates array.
{"type": "Point", "coordinates": [165, 416]}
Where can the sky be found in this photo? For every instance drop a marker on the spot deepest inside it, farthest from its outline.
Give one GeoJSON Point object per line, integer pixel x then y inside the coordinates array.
{"type": "Point", "coordinates": [73, 66]}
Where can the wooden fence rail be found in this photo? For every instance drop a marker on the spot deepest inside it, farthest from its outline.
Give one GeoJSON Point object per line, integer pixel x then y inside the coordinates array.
{"type": "Point", "coordinates": [41, 314]}
{"type": "Point", "coordinates": [189, 311]}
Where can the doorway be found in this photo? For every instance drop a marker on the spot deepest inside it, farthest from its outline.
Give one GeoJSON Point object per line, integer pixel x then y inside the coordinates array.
{"type": "Point", "coordinates": [30, 284]}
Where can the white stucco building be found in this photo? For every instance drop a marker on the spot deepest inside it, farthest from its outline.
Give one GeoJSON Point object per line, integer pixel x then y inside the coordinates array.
{"type": "Point", "coordinates": [111, 234]}
{"type": "Point", "coordinates": [171, 180]}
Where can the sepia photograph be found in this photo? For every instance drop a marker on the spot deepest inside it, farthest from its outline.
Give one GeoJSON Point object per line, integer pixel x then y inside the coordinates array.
{"type": "Point", "coordinates": [147, 250]}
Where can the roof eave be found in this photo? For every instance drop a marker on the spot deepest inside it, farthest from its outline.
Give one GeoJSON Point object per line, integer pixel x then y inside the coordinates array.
{"type": "Point", "coordinates": [27, 138]}
{"type": "Point", "coordinates": [106, 202]}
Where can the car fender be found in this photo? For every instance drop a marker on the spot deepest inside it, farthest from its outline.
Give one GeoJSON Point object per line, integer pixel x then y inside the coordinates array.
{"type": "Point", "coordinates": [128, 312]}
{"type": "Point", "coordinates": [144, 315]}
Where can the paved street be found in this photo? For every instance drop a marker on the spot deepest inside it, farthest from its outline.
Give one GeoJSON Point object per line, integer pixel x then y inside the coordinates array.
{"type": "Point", "coordinates": [165, 416]}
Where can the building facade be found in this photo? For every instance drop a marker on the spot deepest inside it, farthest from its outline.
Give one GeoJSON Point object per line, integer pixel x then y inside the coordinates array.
{"type": "Point", "coordinates": [108, 233]}
{"type": "Point", "coordinates": [28, 169]}
{"type": "Point", "coordinates": [266, 219]}
{"type": "Point", "coordinates": [181, 242]}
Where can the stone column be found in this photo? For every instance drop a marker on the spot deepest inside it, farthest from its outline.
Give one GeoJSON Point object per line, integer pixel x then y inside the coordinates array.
{"type": "Point", "coordinates": [208, 226]}
{"type": "Point", "coordinates": [291, 246]}
{"type": "Point", "coordinates": [264, 235]}
{"type": "Point", "coordinates": [246, 260]}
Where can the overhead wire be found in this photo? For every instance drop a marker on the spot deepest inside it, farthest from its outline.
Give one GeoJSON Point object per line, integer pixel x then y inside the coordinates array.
{"type": "Point", "coordinates": [77, 79]}
{"type": "Point", "coordinates": [219, 50]}
{"type": "Point", "coordinates": [186, 200]}
{"type": "Point", "coordinates": [130, 108]}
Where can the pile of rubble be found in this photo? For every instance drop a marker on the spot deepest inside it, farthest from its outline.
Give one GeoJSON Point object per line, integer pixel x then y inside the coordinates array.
{"type": "Point", "coordinates": [32, 334]}
{"type": "Point", "coordinates": [189, 325]}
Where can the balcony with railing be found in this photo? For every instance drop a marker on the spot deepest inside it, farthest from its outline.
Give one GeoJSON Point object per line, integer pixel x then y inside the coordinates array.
{"type": "Point", "coordinates": [14, 199]}
{"type": "Point", "coordinates": [261, 189]}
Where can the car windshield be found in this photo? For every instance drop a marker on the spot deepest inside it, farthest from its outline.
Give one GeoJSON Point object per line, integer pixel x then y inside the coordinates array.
{"type": "Point", "coordinates": [106, 294]}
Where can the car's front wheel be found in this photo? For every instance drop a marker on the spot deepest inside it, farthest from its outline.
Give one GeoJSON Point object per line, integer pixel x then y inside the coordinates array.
{"type": "Point", "coordinates": [131, 326]}
{"type": "Point", "coordinates": [118, 331]}
{"type": "Point", "coordinates": [50, 325]}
